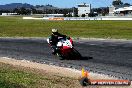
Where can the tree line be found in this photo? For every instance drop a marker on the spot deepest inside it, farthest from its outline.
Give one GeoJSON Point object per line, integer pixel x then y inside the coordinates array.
{"type": "Point", "coordinates": [29, 11]}
{"type": "Point", "coordinates": [68, 12]}
{"type": "Point", "coordinates": [120, 3]}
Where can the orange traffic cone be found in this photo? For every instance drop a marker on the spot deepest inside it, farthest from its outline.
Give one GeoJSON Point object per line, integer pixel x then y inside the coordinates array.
{"type": "Point", "coordinates": [84, 81]}
{"type": "Point", "coordinates": [84, 73]}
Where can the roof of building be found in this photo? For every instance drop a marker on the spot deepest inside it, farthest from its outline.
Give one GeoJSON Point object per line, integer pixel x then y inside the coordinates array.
{"type": "Point", "coordinates": [123, 9]}
{"type": "Point", "coordinates": [83, 5]}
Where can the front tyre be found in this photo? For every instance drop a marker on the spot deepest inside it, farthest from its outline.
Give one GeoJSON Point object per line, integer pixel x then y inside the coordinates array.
{"type": "Point", "coordinates": [76, 53]}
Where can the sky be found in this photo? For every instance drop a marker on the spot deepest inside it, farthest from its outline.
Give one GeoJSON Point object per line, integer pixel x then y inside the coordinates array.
{"type": "Point", "coordinates": [64, 3]}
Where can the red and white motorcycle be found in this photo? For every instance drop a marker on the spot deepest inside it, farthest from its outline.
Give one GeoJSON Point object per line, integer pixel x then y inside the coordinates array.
{"type": "Point", "coordinates": [66, 49]}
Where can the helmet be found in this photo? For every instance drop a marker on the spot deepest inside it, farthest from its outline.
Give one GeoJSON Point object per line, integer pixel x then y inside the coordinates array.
{"type": "Point", "coordinates": [54, 30]}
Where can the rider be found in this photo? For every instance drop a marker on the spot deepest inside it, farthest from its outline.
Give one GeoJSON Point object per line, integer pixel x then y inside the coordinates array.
{"type": "Point", "coordinates": [54, 38]}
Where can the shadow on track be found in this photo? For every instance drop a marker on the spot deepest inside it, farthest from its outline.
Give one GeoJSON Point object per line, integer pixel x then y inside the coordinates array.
{"type": "Point", "coordinates": [86, 58]}
{"type": "Point", "coordinates": [81, 58]}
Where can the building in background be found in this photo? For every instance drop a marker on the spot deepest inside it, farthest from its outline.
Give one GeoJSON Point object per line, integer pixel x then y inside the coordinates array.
{"type": "Point", "coordinates": [123, 11]}
{"type": "Point", "coordinates": [8, 14]}
{"type": "Point", "coordinates": [84, 9]}
{"type": "Point", "coordinates": [119, 8]}
{"type": "Point", "coordinates": [111, 10]}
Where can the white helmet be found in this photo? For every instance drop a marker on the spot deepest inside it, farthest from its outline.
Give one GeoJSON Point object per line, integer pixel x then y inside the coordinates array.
{"type": "Point", "coordinates": [54, 30]}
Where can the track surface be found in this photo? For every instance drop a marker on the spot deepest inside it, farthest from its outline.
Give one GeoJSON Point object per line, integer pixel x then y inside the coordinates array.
{"type": "Point", "coordinates": [113, 58]}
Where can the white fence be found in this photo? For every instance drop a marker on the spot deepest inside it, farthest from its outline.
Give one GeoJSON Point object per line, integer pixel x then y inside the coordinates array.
{"type": "Point", "coordinates": [80, 18]}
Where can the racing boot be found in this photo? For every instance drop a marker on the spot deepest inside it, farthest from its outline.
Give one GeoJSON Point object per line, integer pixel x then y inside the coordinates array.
{"type": "Point", "coordinates": [54, 51]}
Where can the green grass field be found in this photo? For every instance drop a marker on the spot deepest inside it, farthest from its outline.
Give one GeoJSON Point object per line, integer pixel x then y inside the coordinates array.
{"type": "Point", "coordinates": [22, 77]}
{"type": "Point", "coordinates": [17, 27]}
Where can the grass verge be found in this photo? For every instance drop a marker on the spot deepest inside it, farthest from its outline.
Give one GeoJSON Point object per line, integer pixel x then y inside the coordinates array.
{"type": "Point", "coordinates": [21, 77]}
{"type": "Point", "coordinates": [17, 27]}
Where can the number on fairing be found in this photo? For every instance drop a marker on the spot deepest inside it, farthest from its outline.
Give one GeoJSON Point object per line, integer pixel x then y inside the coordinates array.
{"type": "Point", "coordinates": [68, 43]}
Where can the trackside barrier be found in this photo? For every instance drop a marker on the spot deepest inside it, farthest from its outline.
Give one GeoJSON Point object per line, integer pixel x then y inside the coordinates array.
{"type": "Point", "coordinates": [80, 18]}
{"type": "Point", "coordinates": [97, 18]}
{"type": "Point", "coordinates": [58, 18]}
{"type": "Point", "coordinates": [32, 18]}
{"type": "Point", "coordinates": [90, 18]}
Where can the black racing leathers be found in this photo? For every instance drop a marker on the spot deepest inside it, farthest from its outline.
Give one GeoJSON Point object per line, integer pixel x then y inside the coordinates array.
{"type": "Point", "coordinates": [53, 40]}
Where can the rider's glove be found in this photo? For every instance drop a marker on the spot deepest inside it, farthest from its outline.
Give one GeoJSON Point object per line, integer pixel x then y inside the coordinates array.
{"type": "Point", "coordinates": [68, 37]}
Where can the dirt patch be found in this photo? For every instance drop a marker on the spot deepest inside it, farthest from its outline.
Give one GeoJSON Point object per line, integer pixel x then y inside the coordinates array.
{"type": "Point", "coordinates": [61, 71]}
{"type": "Point", "coordinates": [56, 71]}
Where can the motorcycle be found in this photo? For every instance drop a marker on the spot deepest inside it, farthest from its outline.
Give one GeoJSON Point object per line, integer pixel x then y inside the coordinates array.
{"type": "Point", "coordinates": [66, 50]}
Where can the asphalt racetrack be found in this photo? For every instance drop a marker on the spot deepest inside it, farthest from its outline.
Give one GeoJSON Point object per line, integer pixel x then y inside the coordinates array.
{"type": "Point", "coordinates": [113, 58]}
